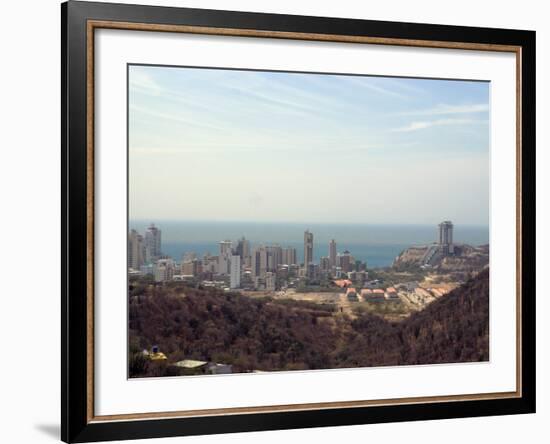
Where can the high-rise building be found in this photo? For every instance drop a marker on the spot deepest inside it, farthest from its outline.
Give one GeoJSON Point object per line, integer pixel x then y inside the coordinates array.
{"type": "Point", "coordinates": [225, 248]}
{"type": "Point", "coordinates": [332, 253]}
{"type": "Point", "coordinates": [235, 275]}
{"type": "Point", "coordinates": [259, 261]}
{"type": "Point", "coordinates": [345, 261]}
{"type": "Point", "coordinates": [270, 281]}
{"type": "Point", "coordinates": [446, 237]}
{"type": "Point", "coordinates": [136, 250]}
{"type": "Point", "coordinates": [210, 264]}
{"type": "Point", "coordinates": [274, 257]}
{"type": "Point", "coordinates": [224, 258]}
{"type": "Point", "coordinates": [308, 248]}
{"type": "Point", "coordinates": [289, 256]}
{"type": "Point", "coordinates": [152, 244]}
{"type": "Point", "coordinates": [243, 249]}
{"type": "Point", "coordinates": [324, 263]}
{"type": "Point", "coordinates": [191, 268]}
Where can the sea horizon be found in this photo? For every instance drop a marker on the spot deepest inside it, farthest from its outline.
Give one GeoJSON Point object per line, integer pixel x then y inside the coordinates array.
{"type": "Point", "coordinates": [376, 244]}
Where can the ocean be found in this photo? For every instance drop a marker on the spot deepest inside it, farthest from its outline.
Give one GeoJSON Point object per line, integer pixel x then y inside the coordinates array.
{"type": "Point", "coordinates": [378, 245]}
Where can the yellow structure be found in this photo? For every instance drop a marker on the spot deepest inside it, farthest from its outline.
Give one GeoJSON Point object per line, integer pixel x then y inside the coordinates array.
{"type": "Point", "coordinates": [158, 356]}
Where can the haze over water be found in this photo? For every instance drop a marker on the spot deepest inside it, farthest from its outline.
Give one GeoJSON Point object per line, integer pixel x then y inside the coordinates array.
{"type": "Point", "coordinates": [378, 245]}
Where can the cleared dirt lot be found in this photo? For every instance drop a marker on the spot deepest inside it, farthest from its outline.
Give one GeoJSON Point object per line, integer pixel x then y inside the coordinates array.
{"type": "Point", "coordinates": [394, 310]}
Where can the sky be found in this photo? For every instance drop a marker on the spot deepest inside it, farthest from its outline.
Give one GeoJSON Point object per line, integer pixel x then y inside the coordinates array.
{"type": "Point", "coordinates": [215, 145]}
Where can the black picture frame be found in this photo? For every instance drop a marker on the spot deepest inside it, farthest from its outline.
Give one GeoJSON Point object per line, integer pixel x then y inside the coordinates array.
{"type": "Point", "coordinates": [76, 424]}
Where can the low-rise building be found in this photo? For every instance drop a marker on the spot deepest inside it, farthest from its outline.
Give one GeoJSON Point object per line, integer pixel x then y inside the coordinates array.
{"type": "Point", "coordinates": [219, 369]}
{"type": "Point", "coordinates": [422, 292]}
{"type": "Point", "coordinates": [378, 294]}
{"type": "Point", "coordinates": [366, 294]}
{"type": "Point", "coordinates": [342, 283]}
{"type": "Point", "coordinates": [155, 354]}
{"type": "Point", "coordinates": [164, 270]}
{"type": "Point", "coordinates": [437, 292]}
{"type": "Point", "coordinates": [191, 364]}
{"type": "Point", "coordinates": [351, 294]}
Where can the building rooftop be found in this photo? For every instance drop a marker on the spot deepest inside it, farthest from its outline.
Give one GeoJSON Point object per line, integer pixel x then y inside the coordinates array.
{"type": "Point", "coordinates": [190, 363]}
{"type": "Point", "coordinates": [342, 283]}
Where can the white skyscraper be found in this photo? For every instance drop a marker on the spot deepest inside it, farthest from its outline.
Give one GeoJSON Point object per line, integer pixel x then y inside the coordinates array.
{"type": "Point", "coordinates": [224, 258]}
{"type": "Point", "coordinates": [235, 275]}
{"type": "Point", "coordinates": [136, 250]}
{"type": "Point", "coordinates": [152, 244]}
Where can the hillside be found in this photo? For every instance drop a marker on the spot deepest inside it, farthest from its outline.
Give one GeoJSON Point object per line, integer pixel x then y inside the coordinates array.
{"type": "Point", "coordinates": [466, 258]}
{"type": "Point", "coordinates": [262, 334]}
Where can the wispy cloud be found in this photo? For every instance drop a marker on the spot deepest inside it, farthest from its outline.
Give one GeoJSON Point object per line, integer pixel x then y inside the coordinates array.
{"type": "Point", "coordinates": [420, 125]}
{"type": "Point", "coordinates": [254, 131]}
{"type": "Point", "coordinates": [370, 84]}
{"type": "Point", "coordinates": [444, 109]}
{"type": "Point", "coordinates": [142, 81]}
{"type": "Point", "coordinates": [178, 118]}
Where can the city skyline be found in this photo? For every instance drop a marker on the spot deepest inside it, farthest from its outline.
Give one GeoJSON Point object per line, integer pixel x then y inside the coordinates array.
{"type": "Point", "coordinates": [147, 249]}
{"type": "Point", "coordinates": [246, 291]}
{"type": "Point", "coordinates": [261, 145]}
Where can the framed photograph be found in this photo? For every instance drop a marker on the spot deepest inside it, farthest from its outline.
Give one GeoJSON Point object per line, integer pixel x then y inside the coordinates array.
{"type": "Point", "coordinates": [275, 221]}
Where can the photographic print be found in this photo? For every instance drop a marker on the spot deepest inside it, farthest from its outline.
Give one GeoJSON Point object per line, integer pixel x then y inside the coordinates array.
{"type": "Point", "coordinates": [283, 221]}
{"type": "Point", "coordinates": [278, 222]}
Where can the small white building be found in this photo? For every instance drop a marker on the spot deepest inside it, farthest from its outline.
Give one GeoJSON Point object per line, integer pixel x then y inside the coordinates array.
{"type": "Point", "coordinates": [219, 369]}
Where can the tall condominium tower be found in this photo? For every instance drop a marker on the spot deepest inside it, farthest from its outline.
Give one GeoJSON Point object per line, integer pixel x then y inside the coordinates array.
{"type": "Point", "coordinates": [136, 250]}
{"type": "Point", "coordinates": [332, 253]}
{"type": "Point", "coordinates": [225, 248]}
{"type": "Point", "coordinates": [224, 257]}
{"type": "Point", "coordinates": [259, 261]}
{"type": "Point", "coordinates": [235, 275]}
{"type": "Point", "coordinates": [308, 249]}
{"type": "Point", "coordinates": [243, 249]}
{"type": "Point", "coordinates": [152, 244]}
{"type": "Point", "coordinates": [255, 262]}
{"type": "Point", "coordinates": [446, 237]}
{"type": "Point", "coordinates": [289, 256]}
{"type": "Point", "coordinates": [274, 257]}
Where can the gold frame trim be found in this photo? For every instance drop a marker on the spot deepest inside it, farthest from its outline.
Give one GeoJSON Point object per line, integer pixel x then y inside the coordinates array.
{"type": "Point", "coordinates": [92, 25]}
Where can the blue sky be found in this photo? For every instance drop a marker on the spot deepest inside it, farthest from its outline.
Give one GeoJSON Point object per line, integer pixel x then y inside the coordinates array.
{"type": "Point", "coordinates": [207, 144]}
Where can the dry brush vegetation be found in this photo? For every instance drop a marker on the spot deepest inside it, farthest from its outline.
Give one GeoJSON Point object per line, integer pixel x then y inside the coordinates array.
{"type": "Point", "coordinates": [264, 334]}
